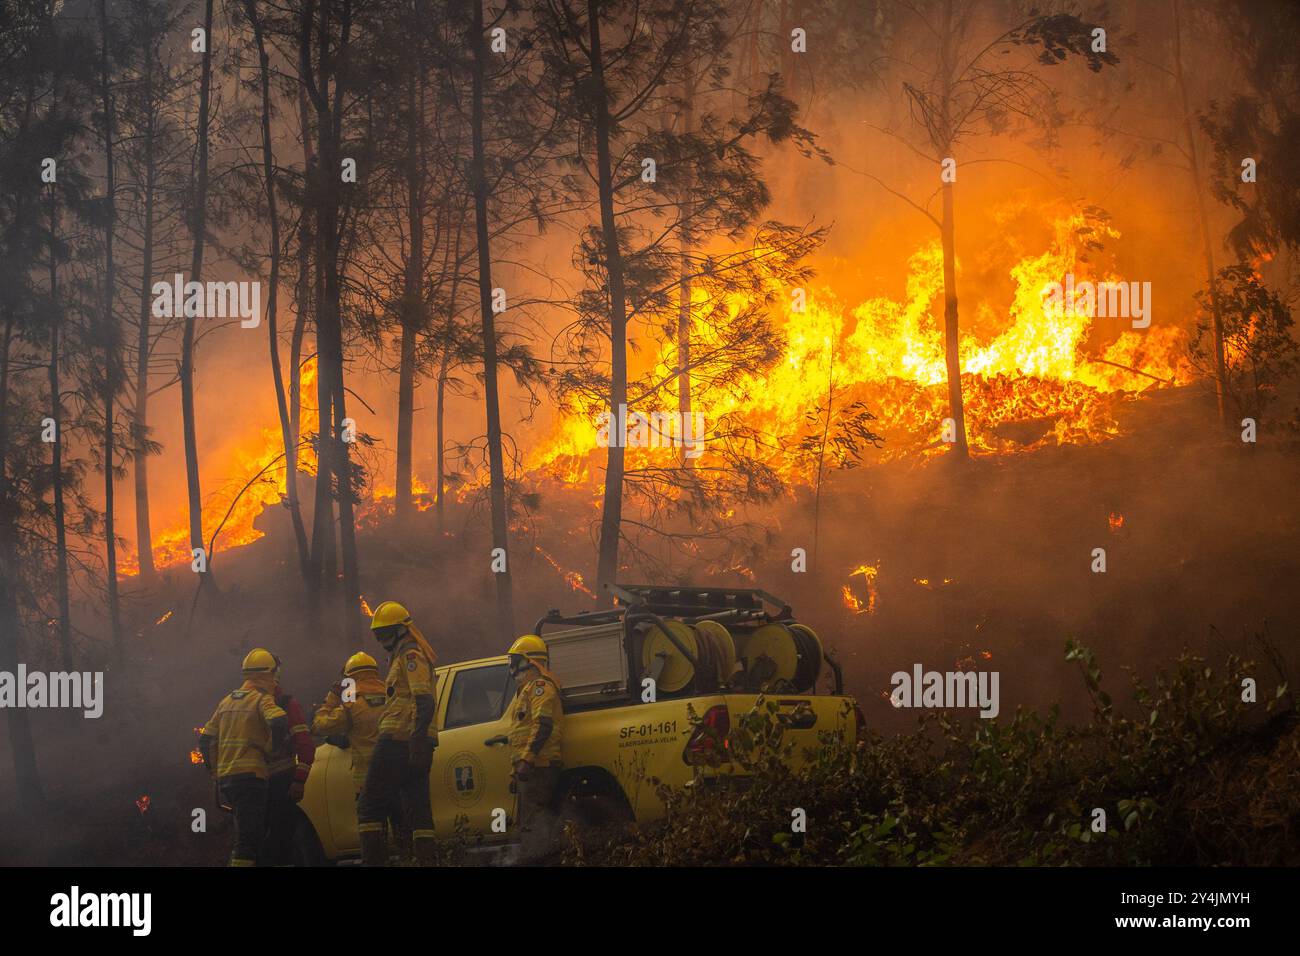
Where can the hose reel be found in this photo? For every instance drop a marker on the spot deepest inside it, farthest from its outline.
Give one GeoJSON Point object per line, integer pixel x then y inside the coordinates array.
{"type": "Point", "coordinates": [706, 656]}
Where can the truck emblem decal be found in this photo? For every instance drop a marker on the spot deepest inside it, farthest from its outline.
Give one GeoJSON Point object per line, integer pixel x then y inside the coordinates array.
{"type": "Point", "coordinates": [464, 779]}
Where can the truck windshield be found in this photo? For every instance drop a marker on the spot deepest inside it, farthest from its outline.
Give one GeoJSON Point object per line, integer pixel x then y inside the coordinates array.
{"type": "Point", "coordinates": [478, 695]}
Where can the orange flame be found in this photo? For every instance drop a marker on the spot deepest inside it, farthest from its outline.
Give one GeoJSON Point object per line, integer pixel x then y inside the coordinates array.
{"type": "Point", "coordinates": [573, 579]}
{"type": "Point", "coordinates": [1040, 368]}
{"type": "Point", "coordinates": [1035, 372]}
{"type": "Point", "coordinates": [851, 599]}
{"type": "Point", "coordinates": [172, 547]}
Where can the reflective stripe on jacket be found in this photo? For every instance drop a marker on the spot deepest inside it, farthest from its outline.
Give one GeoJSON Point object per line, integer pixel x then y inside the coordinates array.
{"type": "Point", "coordinates": [241, 730]}
{"type": "Point", "coordinates": [536, 719]}
{"type": "Point", "coordinates": [410, 675]}
{"type": "Point", "coordinates": [358, 719]}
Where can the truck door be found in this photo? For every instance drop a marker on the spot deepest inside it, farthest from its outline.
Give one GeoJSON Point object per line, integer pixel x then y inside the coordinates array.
{"type": "Point", "coordinates": [470, 776]}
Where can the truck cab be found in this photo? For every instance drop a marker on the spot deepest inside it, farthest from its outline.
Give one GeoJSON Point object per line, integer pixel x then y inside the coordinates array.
{"type": "Point", "coordinates": [470, 777]}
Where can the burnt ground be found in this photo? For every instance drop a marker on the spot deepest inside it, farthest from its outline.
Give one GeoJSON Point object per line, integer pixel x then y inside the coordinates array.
{"type": "Point", "coordinates": [1206, 559]}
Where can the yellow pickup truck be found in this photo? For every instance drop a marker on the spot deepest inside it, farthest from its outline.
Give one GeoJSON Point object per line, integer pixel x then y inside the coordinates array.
{"type": "Point", "coordinates": [631, 678]}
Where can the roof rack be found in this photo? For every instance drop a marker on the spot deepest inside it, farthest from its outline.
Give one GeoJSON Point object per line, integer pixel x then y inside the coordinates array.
{"type": "Point", "coordinates": [695, 601]}
{"type": "Point", "coordinates": [688, 603]}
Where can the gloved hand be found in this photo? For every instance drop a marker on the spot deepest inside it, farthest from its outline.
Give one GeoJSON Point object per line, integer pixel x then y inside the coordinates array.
{"type": "Point", "coordinates": [296, 790]}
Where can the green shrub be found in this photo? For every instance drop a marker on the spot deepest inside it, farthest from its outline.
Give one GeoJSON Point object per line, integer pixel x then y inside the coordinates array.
{"type": "Point", "coordinates": [1018, 791]}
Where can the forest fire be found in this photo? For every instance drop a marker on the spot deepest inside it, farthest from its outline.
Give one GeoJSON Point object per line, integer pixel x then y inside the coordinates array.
{"type": "Point", "coordinates": [888, 354]}
{"type": "Point", "coordinates": [254, 480]}
{"type": "Point", "coordinates": [715, 360]}
{"type": "Point", "coordinates": [884, 353]}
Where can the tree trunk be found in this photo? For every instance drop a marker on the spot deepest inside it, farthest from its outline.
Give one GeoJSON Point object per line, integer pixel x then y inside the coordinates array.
{"type": "Point", "coordinates": [444, 369]}
{"type": "Point", "coordinates": [322, 558]}
{"type": "Point", "coordinates": [302, 296]}
{"type": "Point", "coordinates": [1202, 218]}
{"type": "Point", "coordinates": [56, 409]}
{"type": "Point", "coordinates": [27, 779]}
{"type": "Point", "coordinates": [291, 471]}
{"type": "Point", "coordinates": [199, 228]}
{"type": "Point", "coordinates": [272, 326]}
{"type": "Point", "coordinates": [413, 300]}
{"type": "Point", "coordinates": [952, 353]}
{"type": "Point", "coordinates": [329, 330]}
{"type": "Point", "coordinates": [496, 460]}
{"type": "Point", "coordinates": [405, 422]}
{"type": "Point", "coordinates": [140, 423]}
{"type": "Point", "coordinates": [109, 396]}
{"type": "Point", "coordinates": [441, 468]}
{"type": "Point", "coordinates": [685, 271]}
{"type": "Point", "coordinates": [612, 514]}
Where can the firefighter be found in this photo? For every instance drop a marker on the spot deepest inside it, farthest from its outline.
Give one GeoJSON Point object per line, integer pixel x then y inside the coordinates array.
{"type": "Point", "coordinates": [288, 770]}
{"type": "Point", "coordinates": [246, 726]}
{"type": "Point", "coordinates": [535, 735]}
{"type": "Point", "coordinates": [399, 764]}
{"type": "Point", "coordinates": [353, 715]}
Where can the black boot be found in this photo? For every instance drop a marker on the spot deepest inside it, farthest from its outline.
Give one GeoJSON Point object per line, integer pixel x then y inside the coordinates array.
{"type": "Point", "coordinates": [373, 850]}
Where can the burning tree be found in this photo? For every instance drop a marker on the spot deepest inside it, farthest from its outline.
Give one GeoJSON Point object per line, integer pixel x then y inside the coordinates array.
{"type": "Point", "coordinates": [956, 90]}
{"type": "Point", "coordinates": [669, 199]}
{"type": "Point", "coordinates": [1250, 327]}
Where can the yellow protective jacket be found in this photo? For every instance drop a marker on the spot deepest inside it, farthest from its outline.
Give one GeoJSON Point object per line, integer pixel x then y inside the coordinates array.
{"type": "Point", "coordinates": [409, 688]}
{"type": "Point", "coordinates": [537, 718]}
{"type": "Point", "coordinates": [358, 719]}
{"type": "Point", "coordinates": [244, 730]}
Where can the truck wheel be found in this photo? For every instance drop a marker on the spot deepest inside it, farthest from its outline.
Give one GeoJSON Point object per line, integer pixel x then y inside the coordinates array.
{"type": "Point", "coordinates": [306, 845]}
{"type": "Point", "coordinates": [594, 800]}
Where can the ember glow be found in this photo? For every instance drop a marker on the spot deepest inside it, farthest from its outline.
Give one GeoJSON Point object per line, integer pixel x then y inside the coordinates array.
{"type": "Point", "coordinates": [572, 578]}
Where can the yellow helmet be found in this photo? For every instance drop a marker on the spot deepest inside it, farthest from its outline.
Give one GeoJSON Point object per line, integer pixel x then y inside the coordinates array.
{"type": "Point", "coordinates": [361, 661]}
{"type": "Point", "coordinates": [260, 661]}
{"type": "Point", "coordinates": [388, 614]}
{"type": "Point", "coordinates": [532, 647]}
